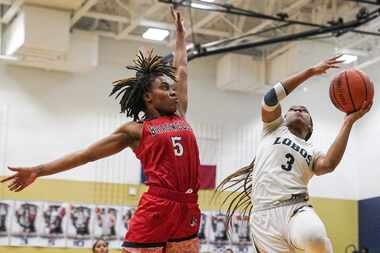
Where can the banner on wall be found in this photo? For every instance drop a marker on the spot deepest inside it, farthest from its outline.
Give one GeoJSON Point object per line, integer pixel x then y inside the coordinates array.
{"type": "Point", "coordinates": [214, 236]}
{"type": "Point", "coordinates": [55, 218]}
{"type": "Point", "coordinates": [107, 224]}
{"type": "Point", "coordinates": [79, 230]}
{"type": "Point", "coordinates": [54, 224]}
{"type": "Point", "coordinates": [126, 216]}
{"type": "Point", "coordinates": [27, 224]}
{"type": "Point", "coordinates": [6, 209]}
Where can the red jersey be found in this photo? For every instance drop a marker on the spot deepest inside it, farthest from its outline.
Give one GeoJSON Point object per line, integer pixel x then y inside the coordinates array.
{"type": "Point", "coordinates": [169, 154]}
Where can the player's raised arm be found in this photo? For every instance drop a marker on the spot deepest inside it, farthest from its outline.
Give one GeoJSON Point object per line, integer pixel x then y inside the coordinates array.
{"type": "Point", "coordinates": [328, 162]}
{"type": "Point", "coordinates": [271, 109]}
{"type": "Point", "coordinates": [180, 62]}
{"type": "Point", "coordinates": [125, 136]}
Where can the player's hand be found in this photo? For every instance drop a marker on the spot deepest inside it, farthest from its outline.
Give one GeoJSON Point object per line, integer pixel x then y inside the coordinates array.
{"type": "Point", "coordinates": [354, 116]}
{"type": "Point", "coordinates": [22, 178]}
{"type": "Point", "coordinates": [178, 20]}
{"type": "Point", "coordinates": [322, 67]}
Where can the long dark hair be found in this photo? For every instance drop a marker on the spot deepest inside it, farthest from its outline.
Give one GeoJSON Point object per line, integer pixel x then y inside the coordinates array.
{"type": "Point", "coordinates": [240, 182]}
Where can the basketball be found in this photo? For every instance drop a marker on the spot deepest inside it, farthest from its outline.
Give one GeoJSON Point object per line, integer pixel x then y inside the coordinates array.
{"type": "Point", "coordinates": [349, 89]}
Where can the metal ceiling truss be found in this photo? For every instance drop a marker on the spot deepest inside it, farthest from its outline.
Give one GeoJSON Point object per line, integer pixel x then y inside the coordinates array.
{"type": "Point", "coordinates": [12, 11]}
{"type": "Point", "coordinates": [373, 2]}
{"type": "Point", "coordinates": [130, 24]}
{"type": "Point", "coordinates": [280, 17]}
{"type": "Point", "coordinates": [82, 10]}
{"type": "Point", "coordinates": [202, 51]}
{"type": "Point", "coordinates": [240, 43]}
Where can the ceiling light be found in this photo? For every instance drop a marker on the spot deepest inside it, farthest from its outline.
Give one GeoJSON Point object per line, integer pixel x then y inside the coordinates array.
{"type": "Point", "coordinates": [155, 34]}
{"type": "Point", "coordinates": [348, 58]}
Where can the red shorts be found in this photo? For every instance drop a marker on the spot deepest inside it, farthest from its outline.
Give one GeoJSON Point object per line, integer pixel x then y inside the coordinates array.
{"type": "Point", "coordinates": [163, 216]}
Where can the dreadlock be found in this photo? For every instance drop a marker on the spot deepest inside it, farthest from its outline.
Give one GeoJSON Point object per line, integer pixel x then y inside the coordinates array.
{"type": "Point", "coordinates": [240, 197]}
{"type": "Point", "coordinates": [133, 89]}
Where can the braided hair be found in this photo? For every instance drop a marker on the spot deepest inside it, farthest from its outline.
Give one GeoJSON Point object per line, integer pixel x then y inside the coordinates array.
{"type": "Point", "coordinates": [239, 199]}
{"type": "Point", "coordinates": [132, 89]}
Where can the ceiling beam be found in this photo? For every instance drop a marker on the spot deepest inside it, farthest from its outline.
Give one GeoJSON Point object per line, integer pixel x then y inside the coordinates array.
{"type": "Point", "coordinates": [297, 5]}
{"type": "Point", "coordinates": [205, 20]}
{"type": "Point", "coordinates": [82, 10]}
{"type": "Point", "coordinates": [128, 37]}
{"type": "Point", "coordinates": [7, 2]}
{"type": "Point", "coordinates": [231, 24]}
{"type": "Point", "coordinates": [357, 41]}
{"type": "Point", "coordinates": [373, 2]}
{"type": "Point", "coordinates": [242, 19]}
{"type": "Point", "coordinates": [12, 11]}
{"type": "Point", "coordinates": [150, 23]}
{"type": "Point", "coordinates": [209, 17]}
{"type": "Point", "coordinates": [136, 21]}
{"type": "Point", "coordinates": [108, 17]}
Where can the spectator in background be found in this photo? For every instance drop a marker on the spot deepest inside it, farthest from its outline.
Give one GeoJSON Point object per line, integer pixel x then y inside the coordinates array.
{"type": "Point", "coordinates": [100, 246]}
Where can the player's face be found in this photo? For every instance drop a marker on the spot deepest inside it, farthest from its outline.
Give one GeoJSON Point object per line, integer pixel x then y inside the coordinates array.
{"type": "Point", "coordinates": [101, 247]}
{"type": "Point", "coordinates": [298, 116]}
{"type": "Point", "coordinates": [162, 96]}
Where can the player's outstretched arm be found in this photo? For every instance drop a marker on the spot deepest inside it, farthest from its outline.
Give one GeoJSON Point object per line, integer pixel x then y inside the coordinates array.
{"type": "Point", "coordinates": [327, 163]}
{"type": "Point", "coordinates": [271, 108]}
{"type": "Point", "coordinates": [294, 81]}
{"type": "Point", "coordinates": [180, 62]}
{"type": "Point", "coordinates": [127, 135]}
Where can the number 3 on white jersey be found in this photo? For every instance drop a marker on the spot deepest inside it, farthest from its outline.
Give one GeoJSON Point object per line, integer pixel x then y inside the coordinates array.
{"type": "Point", "coordinates": [178, 148]}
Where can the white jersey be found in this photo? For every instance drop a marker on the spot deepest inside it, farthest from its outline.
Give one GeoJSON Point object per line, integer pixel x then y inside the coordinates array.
{"type": "Point", "coordinates": [283, 166]}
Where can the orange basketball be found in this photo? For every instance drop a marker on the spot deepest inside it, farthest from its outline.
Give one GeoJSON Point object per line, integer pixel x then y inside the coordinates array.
{"type": "Point", "coordinates": [349, 89]}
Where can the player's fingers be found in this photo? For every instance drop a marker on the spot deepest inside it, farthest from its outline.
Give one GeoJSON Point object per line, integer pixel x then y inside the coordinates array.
{"type": "Point", "coordinates": [364, 105]}
{"type": "Point", "coordinates": [14, 187]}
{"type": "Point", "coordinates": [21, 188]}
{"type": "Point", "coordinates": [12, 184]}
{"type": "Point", "coordinates": [368, 107]}
{"type": "Point", "coordinates": [172, 11]}
{"type": "Point", "coordinates": [336, 62]}
{"type": "Point", "coordinates": [336, 57]}
{"type": "Point", "coordinates": [14, 169]}
{"type": "Point", "coordinates": [17, 189]}
{"type": "Point", "coordinates": [7, 179]}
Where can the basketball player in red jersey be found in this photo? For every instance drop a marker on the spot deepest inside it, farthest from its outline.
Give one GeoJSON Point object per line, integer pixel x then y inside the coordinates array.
{"type": "Point", "coordinates": [167, 218]}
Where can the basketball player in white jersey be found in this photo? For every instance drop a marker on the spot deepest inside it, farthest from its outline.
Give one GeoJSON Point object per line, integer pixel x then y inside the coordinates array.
{"type": "Point", "coordinates": [281, 220]}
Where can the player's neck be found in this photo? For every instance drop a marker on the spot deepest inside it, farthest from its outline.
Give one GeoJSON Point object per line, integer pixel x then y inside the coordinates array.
{"type": "Point", "coordinates": [299, 132]}
{"type": "Point", "coordinates": [153, 114]}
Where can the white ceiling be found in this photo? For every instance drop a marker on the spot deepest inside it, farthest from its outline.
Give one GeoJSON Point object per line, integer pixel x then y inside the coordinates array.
{"type": "Point", "coordinates": [58, 4]}
{"type": "Point", "coordinates": [128, 19]}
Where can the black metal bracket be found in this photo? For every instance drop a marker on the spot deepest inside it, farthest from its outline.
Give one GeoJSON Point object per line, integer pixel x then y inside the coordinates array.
{"type": "Point", "coordinates": [336, 28]}
{"type": "Point", "coordinates": [374, 2]}
{"type": "Point", "coordinates": [208, 50]}
{"type": "Point", "coordinates": [230, 9]}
